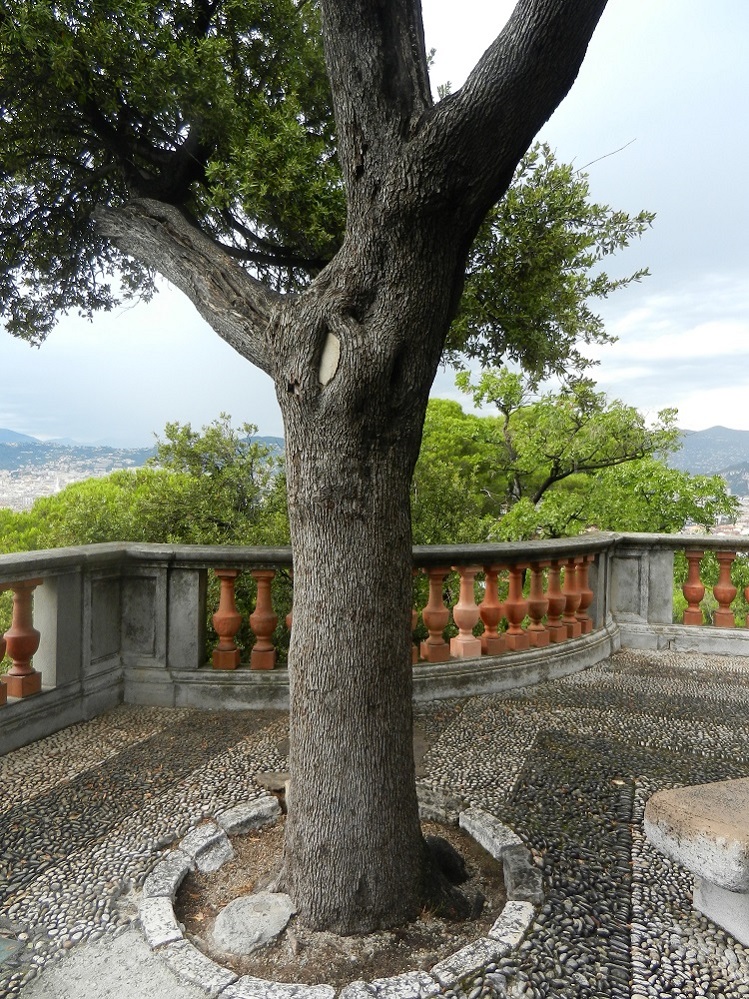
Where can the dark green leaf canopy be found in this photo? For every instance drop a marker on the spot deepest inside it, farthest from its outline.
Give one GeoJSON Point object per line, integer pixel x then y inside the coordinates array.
{"type": "Point", "coordinates": [220, 107]}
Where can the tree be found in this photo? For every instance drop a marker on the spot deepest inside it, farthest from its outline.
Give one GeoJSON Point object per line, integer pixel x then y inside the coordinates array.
{"type": "Point", "coordinates": [188, 138]}
{"type": "Point", "coordinates": [552, 466]}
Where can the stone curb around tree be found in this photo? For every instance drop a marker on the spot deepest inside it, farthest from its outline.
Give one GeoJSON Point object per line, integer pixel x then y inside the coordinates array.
{"type": "Point", "coordinates": [204, 846]}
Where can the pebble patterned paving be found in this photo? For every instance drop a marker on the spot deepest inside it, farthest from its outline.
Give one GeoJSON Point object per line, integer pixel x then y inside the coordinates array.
{"type": "Point", "coordinates": [86, 813]}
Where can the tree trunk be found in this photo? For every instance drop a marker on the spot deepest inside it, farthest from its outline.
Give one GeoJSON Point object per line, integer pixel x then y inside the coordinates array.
{"type": "Point", "coordinates": [355, 859]}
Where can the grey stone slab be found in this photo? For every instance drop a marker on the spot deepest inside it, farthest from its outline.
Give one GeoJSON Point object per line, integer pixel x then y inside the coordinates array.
{"type": "Point", "coordinates": [249, 815]}
{"type": "Point", "coordinates": [258, 988]}
{"type": "Point", "coordinates": [189, 964]}
{"type": "Point", "coordinates": [523, 880]}
{"type": "Point", "coordinates": [167, 875]}
{"type": "Point", "coordinates": [513, 923]}
{"type": "Point", "coordinates": [469, 961]}
{"type": "Point", "coordinates": [251, 921]}
{"type": "Point", "coordinates": [411, 985]}
{"type": "Point", "coordinates": [486, 829]}
{"type": "Point", "coordinates": [158, 921]}
{"type": "Point", "coordinates": [704, 827]}
{"type": "Point", "coordinates": [120, 967]}
{"type": "Point", "coordinates": [9, 948]}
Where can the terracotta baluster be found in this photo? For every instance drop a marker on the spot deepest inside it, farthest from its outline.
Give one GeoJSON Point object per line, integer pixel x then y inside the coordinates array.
{"type": "Point", "coordinates": [22, 641]}
{"type": "Point", "coordinates": [263, 621]}
{"type": "Point", "coordinates": [435, 617]}
{"type": "Point", "coordinates": [491, 612]}
{"type": "Point", "coordinates": [516, 607]}
{"type": "Point", "coordinates": [557, 630]}
{"type": "Point", "coordinates": [693, 589]}
{"type": "Point", "coordinates": [571, 592]}
{"type": "Point", "coordinates": [724, 591]}
{"type": "Point", "coordinates": [538, 604]}
{"type": "Point", "coordinates": [466, 616]}
{"type": "Point", "coordinates": [226, 621]}
{"type": "Point", "coordinates": [586, 594]}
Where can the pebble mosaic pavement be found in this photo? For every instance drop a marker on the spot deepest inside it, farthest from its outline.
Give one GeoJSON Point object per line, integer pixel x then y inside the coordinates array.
{"type": "Point", "coordinates": [569, 765]}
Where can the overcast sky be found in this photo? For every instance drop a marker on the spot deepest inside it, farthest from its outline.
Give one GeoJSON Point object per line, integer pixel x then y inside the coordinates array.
{"type": "Point", "coordinates": [667, 79]}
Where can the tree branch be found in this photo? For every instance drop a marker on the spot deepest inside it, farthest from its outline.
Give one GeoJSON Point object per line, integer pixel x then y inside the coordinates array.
{"type": "Point", "coordinates": [484, 128]}
{"type": "Point", "coordinates": [238, 307]}
{"type": "Point", "coordinates": [377, 66]}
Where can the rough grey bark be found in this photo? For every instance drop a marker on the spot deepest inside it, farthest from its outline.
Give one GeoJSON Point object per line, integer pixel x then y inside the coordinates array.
{"type": "Point", "coordinates": [353, 359]}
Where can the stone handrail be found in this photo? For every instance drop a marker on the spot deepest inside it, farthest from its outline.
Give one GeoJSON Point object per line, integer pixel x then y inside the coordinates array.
{"type": "Point", "coordinates": [99, 624]}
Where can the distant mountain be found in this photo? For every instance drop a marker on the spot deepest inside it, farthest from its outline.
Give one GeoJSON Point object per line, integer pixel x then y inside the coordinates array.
{"type": "Point", "coordinates": [11, 437]}
{"type": "Point", "coordinates": [713, 451]}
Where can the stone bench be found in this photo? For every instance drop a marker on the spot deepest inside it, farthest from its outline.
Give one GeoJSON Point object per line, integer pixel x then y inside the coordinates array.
{"type": "Point", "coordinates": [705, 828]}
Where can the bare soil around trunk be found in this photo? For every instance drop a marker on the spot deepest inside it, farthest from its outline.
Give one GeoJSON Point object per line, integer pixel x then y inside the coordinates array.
{"type": "Point", "coordinates": [312, 958]}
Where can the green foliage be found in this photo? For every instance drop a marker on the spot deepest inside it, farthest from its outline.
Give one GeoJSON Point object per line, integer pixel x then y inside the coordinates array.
{"type": "Point", "coordinates": [221, 108]}
{"type": "Point", "coordinates": [552, 466]}
{"type": "Point", "coordinates": [534, 269]}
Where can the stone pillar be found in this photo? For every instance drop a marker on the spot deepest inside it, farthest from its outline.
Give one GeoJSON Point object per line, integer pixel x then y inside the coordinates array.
{"type": "Point", "coordinates": [586, 594]}
{"type": "Point", "coordinates": [435, 617]}
{"type": "Point", "coordinates": [466, 617]}
{"type": "Point", "coordinates": [3, 689]}
{"type": "Point", "coordinates": [226, 621]}
{"type": "Point", "coordinates": [263, 621]}
{"type": "Point", "coordinates": [693, 589]}
{"type": "Point", "coordinates": [22, 641]}
{"type": "Point", "coordinates": [724, 591]}
{"type": "Point", "coordinates": [491, 612]}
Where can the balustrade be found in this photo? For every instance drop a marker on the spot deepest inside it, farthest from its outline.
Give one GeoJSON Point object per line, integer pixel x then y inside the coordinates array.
{"type": "Point", "coordinates": [129, 621]}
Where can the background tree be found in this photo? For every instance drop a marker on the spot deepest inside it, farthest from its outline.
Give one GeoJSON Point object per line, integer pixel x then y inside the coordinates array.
{"type": "Point", "coordinates": [552, 466]}
{"type": "Point", "coordinates": [129, 132]}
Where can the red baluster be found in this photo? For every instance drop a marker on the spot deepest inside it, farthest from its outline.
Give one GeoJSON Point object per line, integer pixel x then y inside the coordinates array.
{"type": "Point", "coordinates": [516, 607]}
{"type": "Point", "coordinates": [466, 616]}
{"type": "Point", "coordinates": [226, 621]}
{"type": "Point", "coordinates": [263, 621]}
{"type": "Point", "coordinates": [22, 641]}
{"type": "Point", "coordinates": [571, 593]}
{"type": "Point", "coordinates": [435, 617]}
{"type": "Point", "coordinates": [693, 589]}
{"type": "Point", "coordinates": [491, 612]}
{"type": "Point", "coordinates": [538, 604]}
{"type": "Point", "coordinates": [557, 630]}
{"type": "Point", "coordinates": [724, 591]}
{"type": "Point", "coordinates": [586, 594]}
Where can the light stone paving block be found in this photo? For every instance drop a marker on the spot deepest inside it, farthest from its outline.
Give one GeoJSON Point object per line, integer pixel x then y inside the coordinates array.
{"type": "Point", "coordinates": [158, 921]}
{"type": "Point", "coordinates": [167, 875]}
{"type": "Point", "coordinates": [188, 963]}
{"type": "Point", "coordinates": [411, 985]}
{"type": "Point", "coordinates": [249, 815]}
{"type": "Point", "coordinates": [208, 846]}
{"type": "Point", "coordinates": [358, 990]}
{"type": "Point", "coordinates": [488, 831]}
{"type": "Point", "coordinates": [437, 806]}
{"type": "Point", "coordinates": [729, 909]}
{"type": "Point", "coordinates": [258, 988]}
{"type": "Point", "coordinates": [513, 923]}
{"type": "Point", "coordinates": [469, 961]}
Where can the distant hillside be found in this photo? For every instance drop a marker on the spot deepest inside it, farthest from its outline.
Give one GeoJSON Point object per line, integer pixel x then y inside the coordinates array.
{"type": "Point", "coordinates": [11, 437]}
{"type": "Point", "coordinates": [30, 453]}
{"type": "Point", "coordinates": [710, 451]}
